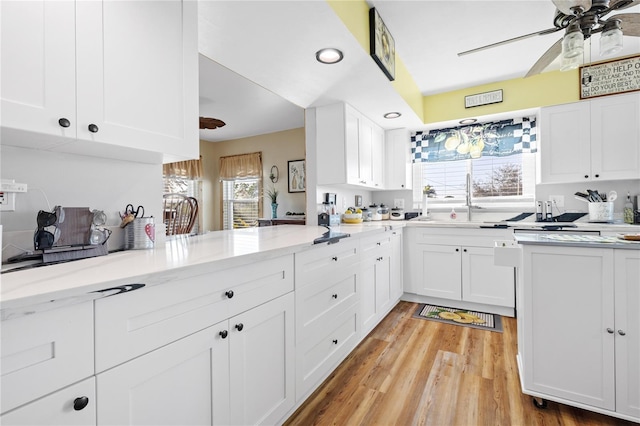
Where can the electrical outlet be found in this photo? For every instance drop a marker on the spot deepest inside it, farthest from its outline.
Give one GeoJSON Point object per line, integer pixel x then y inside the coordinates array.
{"type": "Point", "coordinates": [7, 201]}
{"type": "Point", "coordinates": [398, 202]}
{"type": "Point", "coordinates": [557, 200]}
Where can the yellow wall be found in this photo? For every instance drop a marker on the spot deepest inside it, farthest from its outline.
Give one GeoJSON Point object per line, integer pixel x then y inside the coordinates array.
{"type": "Point", "coordinates": [277, 148]}
{"type": "Point", "coordinates": [550, 88]}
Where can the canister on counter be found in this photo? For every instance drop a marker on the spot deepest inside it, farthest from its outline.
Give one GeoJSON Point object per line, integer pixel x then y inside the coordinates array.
{"type": "Point", "coordinates": [384, 212]}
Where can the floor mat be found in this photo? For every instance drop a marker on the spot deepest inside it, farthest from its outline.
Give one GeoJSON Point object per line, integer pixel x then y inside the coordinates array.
{"type": "Point", "coordinates": [480, 320]}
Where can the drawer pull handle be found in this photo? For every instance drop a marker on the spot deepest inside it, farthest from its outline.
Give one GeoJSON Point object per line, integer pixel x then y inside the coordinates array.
{"type": "Point", "coordinates": [335, 296]}
{"type": "Point", "coordinates": [63, 122]}
{"type": "Point", "coordinates": [379, 243]}
{"type": "Point", "coordinates": [239, 327]}
{"type": "Point", "coordinates": [334, 258]}
{"type": "Point", "coordinates": [610, 330]}
{"type": "Point", "coordinates": [335, 341]}
{"type": "Point", "coordinates": [622, 333]}
{"type": "Point", "coordinates": [224, 334]}
{"type": "Point", "coordinates": [120, 289]}
{"type": "Point", "coordinates": [80, 402]}
{"type": "Point", "coordinates": [229, 294]}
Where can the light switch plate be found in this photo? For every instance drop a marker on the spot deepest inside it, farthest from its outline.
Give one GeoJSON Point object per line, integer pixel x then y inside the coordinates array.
{"type": "Point", "coordinates": [557, 200]}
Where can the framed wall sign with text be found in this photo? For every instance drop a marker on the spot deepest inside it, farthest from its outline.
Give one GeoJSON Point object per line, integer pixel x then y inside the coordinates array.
{"type": "Point", "coordinates": [610, 77]}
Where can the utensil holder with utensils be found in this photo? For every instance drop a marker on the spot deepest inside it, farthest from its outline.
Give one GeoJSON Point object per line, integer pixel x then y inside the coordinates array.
{"type": "Point", "coordinates": [601, 212]}
{"type": "Point", "coordinates": [139, 234]}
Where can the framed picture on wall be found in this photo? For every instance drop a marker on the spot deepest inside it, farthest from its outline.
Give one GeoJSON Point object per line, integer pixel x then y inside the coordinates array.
{"type": "Point", "coordinates": [297, 176]}
{"type": "Point", "coordinates": [381, 45]}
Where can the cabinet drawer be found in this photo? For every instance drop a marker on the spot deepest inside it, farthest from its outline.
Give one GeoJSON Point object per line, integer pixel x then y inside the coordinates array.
{"type": "Point", "coordinates": [44, 352]}
{"type": "Point", "coordinates": [458, 237]}
{"type": "Point", "coordinates": [320, 302]}
{"type": "Point", "coordinates": [318, 357]}
{"type": "Point", "coordinates": [133, 323]}
{"type": "Point", "coordinates": [317, 263]}
{"type": "Point", "coordinates": [375, 243]}
{"type": "Point", "coordinates": [57, 408]}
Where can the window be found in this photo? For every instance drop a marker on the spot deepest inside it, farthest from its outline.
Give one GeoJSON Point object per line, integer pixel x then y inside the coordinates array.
{"type": "Point", "coordinates": [240, 179]}
{"type": "Point", "coordinates": [184, 177]}
{"type": "Point", "coordinates": [240, 203]}
{"type": "Point", "coordinates": [499, 158]}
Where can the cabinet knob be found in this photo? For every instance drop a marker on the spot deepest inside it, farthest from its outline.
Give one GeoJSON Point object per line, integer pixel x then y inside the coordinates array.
{"type": "Point", "coordinates": [80, 402]}
{"type": "Point", "coordinates": [229, 294]}
{"type": "Point", "coordinates": [335, 296]}
{"type": "Point", "coordinates": [610, 330]}
{"type": "Point", "coordinates": [586, 176]}
{"type": "Point", "coordinates": [239, 327]}
{"type": "Point", "coordinates": [622, 333]}
{"type": "Point", "coordinates": [457, 249]}
{"type": "Point", "coordinates": [63, 122]}
{"type": "Point", "coordinates": [597, 175]}
{"type": "Point", "coordinates": [93, 128]}
{"type": "Point", "coordinates": [224, 334]}
{"type": "Point", "coordinates": [464, 250]}
{"type": "Point", "coordinates": [335, 341]}
{"type": "Point", "coordinates": [334, 258]}
{"type": "Point", "coordinates": [379, 243]}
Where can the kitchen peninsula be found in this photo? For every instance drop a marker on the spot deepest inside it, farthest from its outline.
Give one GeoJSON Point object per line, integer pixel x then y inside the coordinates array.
{"type": "Point", "coordinates": [263, 314]}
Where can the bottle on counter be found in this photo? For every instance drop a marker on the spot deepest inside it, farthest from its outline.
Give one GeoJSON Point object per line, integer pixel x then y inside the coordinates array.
{"type": "Point", "coordinates": [453, 214]}
{"type": "Point", "coordinates": [628, 210]}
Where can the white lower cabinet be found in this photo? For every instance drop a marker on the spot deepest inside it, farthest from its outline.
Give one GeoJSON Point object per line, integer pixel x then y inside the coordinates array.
{"type": "Point", "coordinates": [578, 327]}
{"type": "Point", "coordinates": [176, 384]}
{"type": "Point", "coordinates": [456, 264]}
{"type": "Point", "coordinates": [375, 281]}
{"type": "Point", "coordinates": [327, 311]}
{"type": "Point", "coordinates": [236, 372]}
{"type": "Point", "coordinates": [72, 406]}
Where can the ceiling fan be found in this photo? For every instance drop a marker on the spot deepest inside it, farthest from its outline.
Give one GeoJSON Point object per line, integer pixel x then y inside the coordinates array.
{"type": "Point", "coordinates": [210, 123]}
{"type": "Point", "coordinates": [580, 19]}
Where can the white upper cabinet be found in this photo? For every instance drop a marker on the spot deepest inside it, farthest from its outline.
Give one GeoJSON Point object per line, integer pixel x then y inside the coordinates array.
{"type": "Point", "coordinates": [591, 140]}
{"type": "Point", "coordinates": [113, 79]}
{"type": "Point", "coordinates": [350, 148]}
{"type": "Point", "coordinates": [398, 159]}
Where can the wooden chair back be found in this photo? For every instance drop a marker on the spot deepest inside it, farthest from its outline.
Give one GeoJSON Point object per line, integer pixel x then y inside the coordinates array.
{"type": "Point", "coordinates": [180, 213]}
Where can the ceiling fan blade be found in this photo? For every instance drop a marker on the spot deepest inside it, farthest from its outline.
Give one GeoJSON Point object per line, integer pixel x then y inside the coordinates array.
{"type": "Point", "coordinates": [547, 57]}
{"type": "Point", "coordinates": [630, 23]}
{"type": "Point", "coordinates": [511, 40]}
{"type": "Point", "coordinates": [210, 123]}
{"type": "Point", "coordinates": [622, 4]}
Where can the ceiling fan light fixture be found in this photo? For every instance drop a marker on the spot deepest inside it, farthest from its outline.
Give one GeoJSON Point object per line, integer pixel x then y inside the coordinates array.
{"type": "Point", "coordinates": [573, 42]}
{"type": "Point", "coordinates": [611, 38]}
{"type": "Point", "coordinates": [329, 55]}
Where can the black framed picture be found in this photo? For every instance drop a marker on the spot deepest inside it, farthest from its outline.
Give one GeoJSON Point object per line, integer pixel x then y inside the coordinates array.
{"type": "Point", "coordinates": [381, 45]}
{"type": "Point", "coordinates": [296, 176]}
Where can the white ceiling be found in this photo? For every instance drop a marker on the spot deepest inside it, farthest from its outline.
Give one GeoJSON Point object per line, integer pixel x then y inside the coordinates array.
{"type": "Point", "coordinates": [272, 45]}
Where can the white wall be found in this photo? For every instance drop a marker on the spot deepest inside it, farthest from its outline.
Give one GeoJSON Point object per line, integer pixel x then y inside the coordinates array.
{"type": "Point", "coordinates": [74, 181]}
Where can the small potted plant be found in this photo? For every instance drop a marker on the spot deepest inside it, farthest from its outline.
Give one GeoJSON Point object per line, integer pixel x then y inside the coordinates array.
{"type": "Point", "coordinates": [272, 194]}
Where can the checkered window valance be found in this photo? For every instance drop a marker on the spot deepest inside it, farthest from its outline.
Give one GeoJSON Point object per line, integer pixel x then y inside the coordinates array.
{"type": "Point", "coordinates": [498, 139]}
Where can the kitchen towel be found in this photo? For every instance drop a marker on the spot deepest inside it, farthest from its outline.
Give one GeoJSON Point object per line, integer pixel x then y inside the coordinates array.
{"type": "Point", "coordinates": [480, 320]}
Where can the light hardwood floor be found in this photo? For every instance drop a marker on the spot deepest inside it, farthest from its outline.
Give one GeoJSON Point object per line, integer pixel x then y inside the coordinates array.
{"type": "Point", "coordinates": [411, 371]}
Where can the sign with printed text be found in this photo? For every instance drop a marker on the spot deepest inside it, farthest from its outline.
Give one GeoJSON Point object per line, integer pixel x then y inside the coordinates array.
{"type": "Point", "coordinates": [483, 99]}
{"type": "Point", "coordinates": [611, 77]}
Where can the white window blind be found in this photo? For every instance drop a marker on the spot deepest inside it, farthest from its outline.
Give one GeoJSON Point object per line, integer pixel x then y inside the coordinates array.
{"type": "Point", "coordinates": [240, 203]}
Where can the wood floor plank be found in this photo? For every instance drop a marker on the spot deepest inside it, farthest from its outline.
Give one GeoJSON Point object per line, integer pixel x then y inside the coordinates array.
{"type": "Point", "coordinates": [411, 371]}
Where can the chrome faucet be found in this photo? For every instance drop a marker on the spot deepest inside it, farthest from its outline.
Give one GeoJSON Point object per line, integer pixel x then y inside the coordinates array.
{"type": "Point", "coordinates": [468, 203]}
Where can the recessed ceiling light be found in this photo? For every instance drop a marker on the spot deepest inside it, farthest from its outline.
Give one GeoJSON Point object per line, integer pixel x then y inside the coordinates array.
{"type": "Point", "coordinates": [329, 55]}
{"type": "Point", "coordinates": [468, 121]}
{"type": "Point", "coordinates": [392, 115]}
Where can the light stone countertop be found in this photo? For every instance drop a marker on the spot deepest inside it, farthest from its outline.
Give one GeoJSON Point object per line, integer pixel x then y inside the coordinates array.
{"type": "Point", "coordinates": [181, 256]}
{"type": "Point", "coordinates": [574, 240]}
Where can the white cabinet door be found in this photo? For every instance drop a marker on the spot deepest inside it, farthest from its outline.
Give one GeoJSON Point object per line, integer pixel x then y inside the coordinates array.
{"type": "Point", "coordinates": [438, 272]}
{"type": "Point", "coordinates": [398, 159]}
{"type": "Point", "coordinates": [378, 159]}
{"type": "Point", "coordinates": [71, 406]}
{"type": "Point", "coordinates": [351, 146]}
{"type": "Point", "coordinates": [262, 363]}
{"type": "Point", "coordinates": [627, 332]}
{"type": "Point", "coordinates": [137, 75]}
{"type": "Point", "coordinates": [38, 71]}
{"type": "Point", "coordinates": [565, 151]}
{"type": "Point", "coordinates": [365, 147]}
{"type": "Point", "coordinates": [568, 307]}
{"type": "Point", "coordinates": [615, 137]}
{"type": "Point", "coordinates": [483, 282]}
{"type": "Point", "coordinates": [175, 385]}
